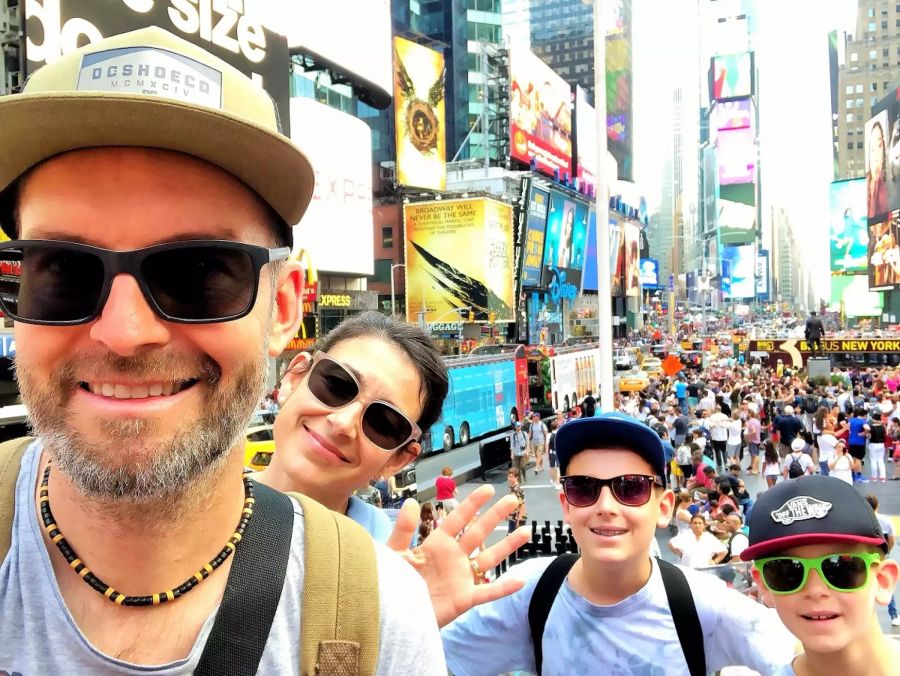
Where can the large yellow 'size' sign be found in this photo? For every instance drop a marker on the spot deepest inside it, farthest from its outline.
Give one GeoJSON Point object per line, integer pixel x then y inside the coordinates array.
{"type": "Point", "coordinates": [459, 259]}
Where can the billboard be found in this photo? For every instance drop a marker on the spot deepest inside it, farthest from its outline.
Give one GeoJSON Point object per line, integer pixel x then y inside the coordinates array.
{"type": "Point", "coordinates": [619, 109]}
{"type": "Point", "coordinates": [617, 256]}
{"type": "Point", "coordinates": [533, 263]}
{"type": "Point", "coordinates": [632, 258]}
{"type": "Point", "coordinates": [732, 76]}
{"type": "Point", "coordinates": [57, 27]}
{"type": "Point", "coordinates": [739, 267]}
{"type": "Point", "coordinates": [884, 253]}
{"type": "Point", "coordinates": [737, 222]}
{"type": "Point", "coordinates": [649, 273]}
{"type": "Point", "coordinates": [459, 256]}
{"type": "Point", "coordinates": [851, 294]}
{"type": "Point", "coordinates": [877, 202]}
{"type": "Point", "coordinates": [566, 238]}
{"type": "Point", "coordinates": [762, 274]}
{"type": "Point", "coordinates": [710, 182]}
{"type": "Point", "coordinates": [727, 115]}
{"type": "Point", "coordinates": [419, 118]}
{"type": "Point", "coordinates": [585, 140]}
{"type": "Point", "coordinates": [352, 37]}
{"type": "Point", "coordinates": [540, 119]}
{"type": "Point", "coordinates": [848, 233]}
{"type": "Point", "coordinates": [736, 156]}
{"type": "Point", "coordinates": [341, 206]}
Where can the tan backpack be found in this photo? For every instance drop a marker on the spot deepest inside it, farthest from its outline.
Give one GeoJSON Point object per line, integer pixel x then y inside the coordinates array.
{"type": "Point", "coordinates": [339, 626]}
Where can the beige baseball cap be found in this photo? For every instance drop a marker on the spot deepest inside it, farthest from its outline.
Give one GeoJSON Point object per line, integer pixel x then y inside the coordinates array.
{"type": "Point", "coordinates": [150, 88]}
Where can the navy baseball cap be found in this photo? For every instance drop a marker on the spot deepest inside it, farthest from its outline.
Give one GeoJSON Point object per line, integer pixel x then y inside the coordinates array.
{"type": "Point", "coordinates": [811, 510]}
{"type": "Point", "coordinates": [610, 430]}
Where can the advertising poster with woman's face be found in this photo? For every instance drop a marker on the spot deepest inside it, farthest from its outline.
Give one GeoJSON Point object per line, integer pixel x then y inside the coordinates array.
{"type": "Point", "coordinates": [632, 260]}
{"type": "Point", "coordinates": [565, 239]}
{"type": "Point", "coordinates": [884, 253]}
{"type": "Point", "coordinates": [876, 161]}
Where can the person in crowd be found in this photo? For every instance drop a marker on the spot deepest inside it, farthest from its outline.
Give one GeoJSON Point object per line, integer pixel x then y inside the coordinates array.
{"type": "Point", "coordinates": [718, 430]}
{"type": "Point", "coordinates": [754, 439]}
{"type": "Point", "coordinates": [680, 425]}
{"type": "Point", "coordinates": [771, 463]}
{"type": "Point", "coordinates": [669, 451]}
{"type": "Point", "coordinates": [856, 441]}
{"type": "Point", "coordinates": [735, 437]}
{"type": "Point", "coordinates": [552, 460]}
{"type": "Point", "coordinates": [699, 548]}
{"type": "Point", "coordinates": [841, 465]}
{"type": "Point", "coordinates": [737, 540]}
{"type": "Point", "coordinates": [702, 473]}
{"type": "Point", "coordinates": [827, 442]}
{"type": "Point", "coordinates": [684, 464]}
{"type": "Point", "coordinates": [589, 405]}
{"type": "Point", "coordinates": [797, 462]}
{"type": "Point", "coordinates": [825, 573]}
{"type": "Point", "coordinates": [153, 286]}
{"type": "Point", "coordinates": [613, 468]}
{"type": "Point", "coordinates": [681, 393]}
{"type": "Point", "coordinates": [537, 441]}
{"type": "Point", "coordinates": [519, 517]}
{"type": "Point", "coordinates": [788, 426]}
{"type": "Point", "coordinates": [874, 431]}
{"type": "Point", "coordinates": [887, 527]}
{"type": "Point", "coordinates": [518, 449]}
{"type": "Point", "coordinates": [683, 515]}
{"type": "Point", "coordinates": [446, 490]}
{"type": "Point", "coordinates": [427, 521]}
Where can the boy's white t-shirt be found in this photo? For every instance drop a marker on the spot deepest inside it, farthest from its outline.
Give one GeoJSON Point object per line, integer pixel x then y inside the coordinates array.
{"type": "Point", "coordinates": [635, 636]}
{"type": "Point", "coordinates": [805, 461]}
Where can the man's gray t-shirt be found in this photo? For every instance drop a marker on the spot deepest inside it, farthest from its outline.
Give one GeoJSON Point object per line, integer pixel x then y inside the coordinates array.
{"type": "Point", "coordinates": [38, 635]}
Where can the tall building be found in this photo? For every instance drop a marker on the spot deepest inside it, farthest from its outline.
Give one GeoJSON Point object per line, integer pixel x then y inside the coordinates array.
{"type": "Point", "coordinates": [870, 67]}
{"type": "Point", "coordinates": [517, 23]}
{"type": "Point", "coordinates": [562, 35]}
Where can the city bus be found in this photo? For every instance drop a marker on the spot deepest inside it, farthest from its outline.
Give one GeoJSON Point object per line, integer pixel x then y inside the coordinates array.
{"type": "Point", "coordinates": [559, 378]}
{"type": "Point", "coordinates": [843, 352]}
{"type": "Point", "coordinates": [488, 392]}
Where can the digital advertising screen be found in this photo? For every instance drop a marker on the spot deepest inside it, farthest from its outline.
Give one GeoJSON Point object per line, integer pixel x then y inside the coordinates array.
{"type": "Point", "coordinates": [632, 258]}
{"type": "Point", "coordinates": [710, 183]}
{"type": "Point", "coordinates": [419, 117]}
{"type": "Point", "coordinates": [589, 272]}
{"type": "Point", "coordinates": [540, 122]}
{"type": "Point", "coordinates": [740, 264]}
{"type": "Point", "coordinates": [736, 156]}
{"type": "Point", "coordinates": [762, 274]}
{"type": "Point", "coordinates": [585, 139]}
{"type": "Point", "coordinates": [882, 140]}
{"type": "Point", "coordinates": [566, 238]}
{"type": "Point", "coordinates": [459, 257]}
{"type": "Point", "coordinates": [732, 76]}
{"type": "Point", "coordinates": [851, 294]}
{"type": "Point", "coordinates": [649, 273]}
{"type": "Point", "coordinates": [533, 263]}
{"type": "Point", "coordinates": [725, 115]}
{"type": "Point", "coordinates": [617, 255]}
{"type": "Point", "coordinates": [884, 253]}
{"type": "Point", "coordinates": [619, 94]}
{"type": "Point", "coordinates": [848, 233]}
{"type": "Point", "coordinates": [736, 222]}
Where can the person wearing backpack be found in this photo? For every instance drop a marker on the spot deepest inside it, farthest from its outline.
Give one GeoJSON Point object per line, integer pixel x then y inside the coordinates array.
{"type": "Point", "coordinates": [590, 614]}
{"type": "Point", "coordinates": [797, 463]}
{"type": "Point", "coordinates": [149, 280]}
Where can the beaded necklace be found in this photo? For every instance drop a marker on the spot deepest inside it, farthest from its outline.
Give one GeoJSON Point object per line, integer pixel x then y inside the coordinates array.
{"type": "Point", "coordinates": [118, 598]}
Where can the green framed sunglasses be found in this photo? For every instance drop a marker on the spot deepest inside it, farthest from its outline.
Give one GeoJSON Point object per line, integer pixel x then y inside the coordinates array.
{"type": "Point", "coordinates": [841, 572]}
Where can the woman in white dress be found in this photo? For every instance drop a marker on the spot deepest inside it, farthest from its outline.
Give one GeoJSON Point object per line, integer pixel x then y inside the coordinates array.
{"type": "Point", "coordinates": [841, 465]}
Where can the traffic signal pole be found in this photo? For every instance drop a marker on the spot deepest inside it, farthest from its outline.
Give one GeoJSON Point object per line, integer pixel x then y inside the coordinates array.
{"type": "Point", "coordinates": [604, 281]}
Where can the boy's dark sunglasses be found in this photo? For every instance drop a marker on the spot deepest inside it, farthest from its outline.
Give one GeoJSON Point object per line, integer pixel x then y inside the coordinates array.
{"type": "Point", "coordinates": [335, 386]}
{"type": "Point", "coordinates": [631, 490]}
{"type": "Point", "coordinates": [840, 572]}
{"type": "Point", "coordinates": [192, 282]}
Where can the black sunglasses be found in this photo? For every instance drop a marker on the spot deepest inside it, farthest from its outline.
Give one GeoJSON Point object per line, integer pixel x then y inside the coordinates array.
{"type": "Point", "coordinates": [631, 490]}
{"type": "Point", "coordinates": [193, 282]}
{"type": "Point", "coordinates": [334, 386]}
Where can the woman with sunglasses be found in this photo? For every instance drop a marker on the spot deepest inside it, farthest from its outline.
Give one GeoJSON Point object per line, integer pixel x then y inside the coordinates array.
{"type": "Point", "coordinates": [353, 411]}
{"type": "Point", "coordinates": [818, 556]}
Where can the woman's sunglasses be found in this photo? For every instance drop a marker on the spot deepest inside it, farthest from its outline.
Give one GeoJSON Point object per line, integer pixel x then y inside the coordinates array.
{"type": "Point", "coordinates": [335, 386]}
{"type": "Point", "coordinates": [192, 282]}
{"type": "Point", "coordinates": [841, 572]}
{"type": "Point", "coordinates": [631, 490]}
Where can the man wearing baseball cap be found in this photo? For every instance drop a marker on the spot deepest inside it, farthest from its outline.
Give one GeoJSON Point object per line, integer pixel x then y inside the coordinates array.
{"type": "Point", "coordinates": [148, 192]}
{"type": "Point", "coordinates": [818, 556]}
{"type": "Point", "coordinates": [591, 614]}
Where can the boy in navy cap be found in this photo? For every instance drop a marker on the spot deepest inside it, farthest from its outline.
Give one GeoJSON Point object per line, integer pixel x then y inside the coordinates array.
{"type": "Point", "coordinates": [818, 556]}
{"type": "Point", "coordinates": [615, 609]}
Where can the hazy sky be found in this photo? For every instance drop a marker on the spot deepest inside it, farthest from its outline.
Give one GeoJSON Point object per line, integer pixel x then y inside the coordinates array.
{"type": "Point", "coordinates": [794, 102]}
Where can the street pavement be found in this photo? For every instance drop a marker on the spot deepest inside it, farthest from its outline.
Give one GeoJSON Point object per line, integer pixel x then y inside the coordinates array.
{"type": "Point", "coordinates": [542, 501]}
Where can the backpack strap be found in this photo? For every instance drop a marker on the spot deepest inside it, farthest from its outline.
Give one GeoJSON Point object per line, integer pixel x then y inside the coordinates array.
{"type": "Point", "coordinates": [11, 453]}
{"type": "Point", "coordinates": [684, 615]}
{"type": "Point", "coordinates": [340, 620]}
{"type": "Point", "coordinates": [542, 599]}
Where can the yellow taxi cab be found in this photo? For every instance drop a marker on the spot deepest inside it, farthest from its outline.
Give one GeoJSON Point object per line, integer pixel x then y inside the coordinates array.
{"type": "Point", "coordinates": [633, 382]}
{"type": "Point", "coordinates": [652, 366]}
{"type": "Point", "coordinates": [259, 446]}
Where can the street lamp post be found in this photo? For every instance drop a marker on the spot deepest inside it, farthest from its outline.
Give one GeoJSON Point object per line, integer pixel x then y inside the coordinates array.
{"type": "Point", "coordinates": [394, 267]}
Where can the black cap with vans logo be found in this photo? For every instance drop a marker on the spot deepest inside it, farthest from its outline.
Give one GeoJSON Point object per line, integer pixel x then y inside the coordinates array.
{"type": "Point", "coordinates": [811, 510]}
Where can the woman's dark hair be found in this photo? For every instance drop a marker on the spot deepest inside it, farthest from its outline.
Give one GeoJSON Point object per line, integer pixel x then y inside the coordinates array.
{"type": "Point", "coordinates": [414, 342]}
{"type": "Point", "coordinates": [769, 452]}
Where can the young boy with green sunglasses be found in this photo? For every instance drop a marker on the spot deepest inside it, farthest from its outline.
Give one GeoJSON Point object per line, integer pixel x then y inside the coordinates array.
{"type": "Point", "coordinates": [818, 556]}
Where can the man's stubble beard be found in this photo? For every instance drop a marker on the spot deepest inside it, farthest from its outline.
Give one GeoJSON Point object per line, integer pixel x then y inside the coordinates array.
{"type": "Point", "coordinates": [143, 475]}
